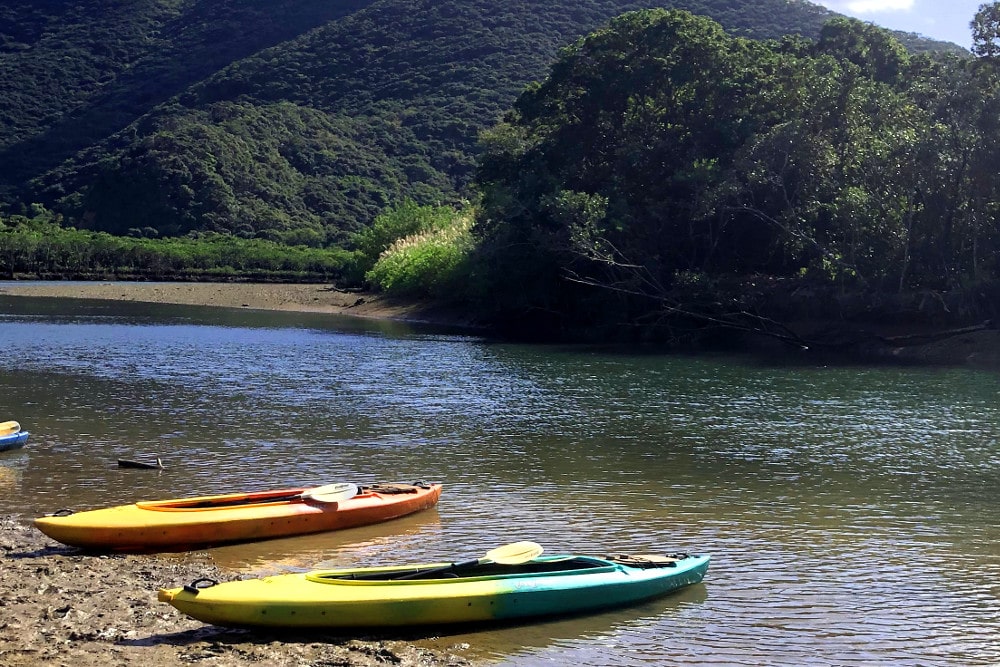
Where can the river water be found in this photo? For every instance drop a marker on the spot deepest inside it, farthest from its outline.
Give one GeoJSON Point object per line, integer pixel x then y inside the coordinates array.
{"type": "Point", "coordinates": [852, 513]}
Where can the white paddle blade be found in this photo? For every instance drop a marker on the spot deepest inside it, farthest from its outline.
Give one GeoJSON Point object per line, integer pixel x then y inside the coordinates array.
{"type": "Point", "coordinates": [516, 553]}
{"type": "Point", "coordinates": [331, 493]}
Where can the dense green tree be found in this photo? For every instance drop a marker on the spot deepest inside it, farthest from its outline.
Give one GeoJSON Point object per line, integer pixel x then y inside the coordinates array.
{"type": "Point", "coordinates": [74, 73]}
{"type": "Point", "coordinates": [601, 168]}
{"type": "Point", "coordinates": [663, 155]}
{"type": "Point", "coordinates": [878, 55]}
{"type": "Point", "coordinates": [986, 30]}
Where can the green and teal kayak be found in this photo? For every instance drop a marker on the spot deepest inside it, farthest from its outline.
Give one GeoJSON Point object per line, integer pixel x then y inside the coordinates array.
{"type": "Point", "coordinates": [439, 593]}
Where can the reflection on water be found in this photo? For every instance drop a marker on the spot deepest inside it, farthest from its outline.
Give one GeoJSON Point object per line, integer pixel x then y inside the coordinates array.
{"type": "Point", "coordinates": [12, 465]}
{"type": "Point", "coordinates": [354, 547]}
{"type": "Point", "coordinates": [851, 512]}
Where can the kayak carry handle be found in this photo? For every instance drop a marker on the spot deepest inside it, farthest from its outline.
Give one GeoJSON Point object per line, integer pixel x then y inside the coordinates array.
{"type": "Point", "coordinates": [199, 584]}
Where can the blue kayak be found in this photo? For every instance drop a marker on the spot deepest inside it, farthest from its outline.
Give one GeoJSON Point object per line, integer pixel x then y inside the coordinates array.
{"type": "Point", "coordinates": [11, 436]}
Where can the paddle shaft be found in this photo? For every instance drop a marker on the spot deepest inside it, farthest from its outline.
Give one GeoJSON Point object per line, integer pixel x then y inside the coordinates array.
{"type": "Point", "coordinates": [446, 568]}
{"type": "Point", "coordinates": [509, 554]}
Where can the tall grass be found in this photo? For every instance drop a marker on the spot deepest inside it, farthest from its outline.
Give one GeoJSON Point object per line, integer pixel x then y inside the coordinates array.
{"type": "Point", "coordinates": [432, 263]}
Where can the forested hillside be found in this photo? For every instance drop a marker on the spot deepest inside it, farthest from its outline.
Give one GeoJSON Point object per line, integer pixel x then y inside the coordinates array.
{"type": "Point", "coordinates": [73, 73]}
{"type": "Point", "coordinates": [296, 120]}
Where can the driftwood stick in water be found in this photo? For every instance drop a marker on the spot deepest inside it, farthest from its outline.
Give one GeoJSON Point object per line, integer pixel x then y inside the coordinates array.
{"type": "Point", "coordinates": [932, 337]}
{"type": "Point", "coordinates": [126, 463]}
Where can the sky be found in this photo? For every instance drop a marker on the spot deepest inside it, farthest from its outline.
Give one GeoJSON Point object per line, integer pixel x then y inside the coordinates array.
{"type": "Point", "coordinates": [946, 20]}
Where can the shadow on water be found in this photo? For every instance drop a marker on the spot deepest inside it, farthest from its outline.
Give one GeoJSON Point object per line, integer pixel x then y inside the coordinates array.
{"type": "Point", "coordinates": [331, 550]}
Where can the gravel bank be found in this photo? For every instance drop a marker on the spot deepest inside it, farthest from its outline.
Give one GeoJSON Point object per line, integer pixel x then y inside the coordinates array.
{"type": "Point", "coordinates": [62, 607]}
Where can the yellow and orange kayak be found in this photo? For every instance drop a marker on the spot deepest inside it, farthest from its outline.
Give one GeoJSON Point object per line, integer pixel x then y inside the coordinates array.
{"type": "Point", "coordinates": [190, 523]}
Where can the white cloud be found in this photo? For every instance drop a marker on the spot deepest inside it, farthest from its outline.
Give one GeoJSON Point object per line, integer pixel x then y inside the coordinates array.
{"type": "Point", "coordinates": [868, 6]}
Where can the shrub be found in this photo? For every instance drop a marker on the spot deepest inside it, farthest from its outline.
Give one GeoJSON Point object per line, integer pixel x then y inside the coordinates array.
{"type": "Point", "coordinates": [398, 222]}
{"type": "Point", "coordinates": [431, 263]}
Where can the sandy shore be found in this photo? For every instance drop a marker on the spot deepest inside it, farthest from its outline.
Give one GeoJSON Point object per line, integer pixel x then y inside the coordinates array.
{"type": "Point", "coordinates": [64, 608]}
{"type": "Point", "coordinates": [317, 298]}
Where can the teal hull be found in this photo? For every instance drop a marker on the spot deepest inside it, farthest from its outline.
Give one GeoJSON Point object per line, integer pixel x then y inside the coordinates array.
{"type": "Point", "coordinates": [620, 586]}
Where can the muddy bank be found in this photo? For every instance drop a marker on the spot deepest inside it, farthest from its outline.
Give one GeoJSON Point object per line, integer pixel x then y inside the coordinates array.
{"type": "Point", "coordinates": [312, 298]}
{"type": "Point", "coordinates": [63, 607]}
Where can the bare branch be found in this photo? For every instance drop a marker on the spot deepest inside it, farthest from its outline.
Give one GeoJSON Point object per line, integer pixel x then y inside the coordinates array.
{"type": "Point", "coordinates": [797, 233]}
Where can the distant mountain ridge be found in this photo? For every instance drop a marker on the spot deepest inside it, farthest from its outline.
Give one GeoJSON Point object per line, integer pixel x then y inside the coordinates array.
{"type": "Point", "coordinates": [295, 119]}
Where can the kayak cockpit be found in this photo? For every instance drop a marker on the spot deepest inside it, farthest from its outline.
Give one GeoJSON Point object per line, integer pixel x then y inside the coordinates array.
{"type": "Point", "coordinates": [223, 501]}
{"type": "Point", "coordinates": [542, 566]}
{"type": "Point", "coordinates": [547, 566]}
{"type": "Point", "coordinates": [323, 494]}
